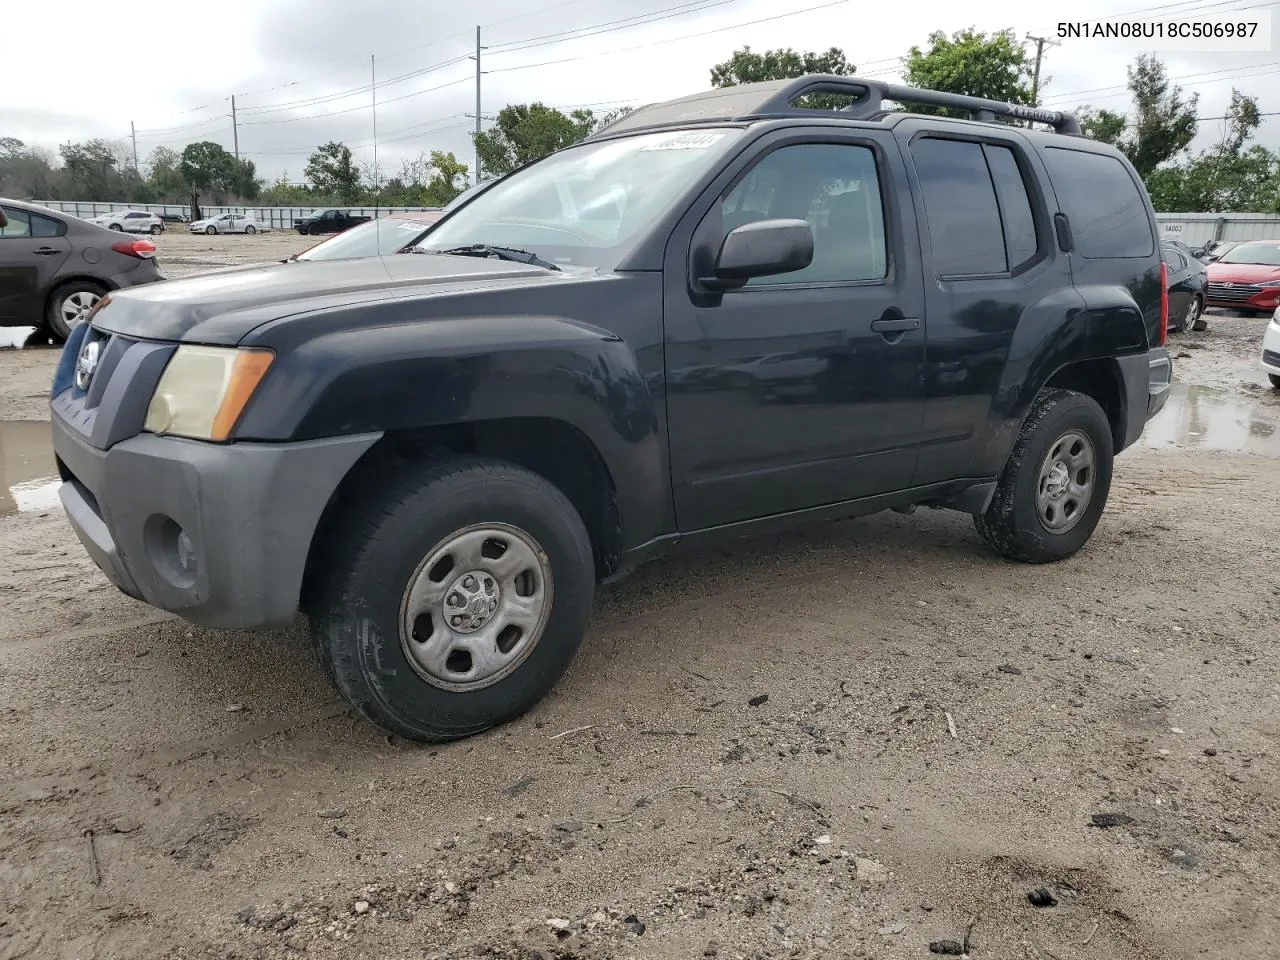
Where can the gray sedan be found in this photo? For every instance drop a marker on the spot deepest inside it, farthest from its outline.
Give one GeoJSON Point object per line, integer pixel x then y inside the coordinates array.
{"type": "Point", "coordinates": [54, 267]}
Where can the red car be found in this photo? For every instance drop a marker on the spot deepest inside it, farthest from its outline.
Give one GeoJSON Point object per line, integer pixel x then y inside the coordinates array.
{"type": "Point", "coordinates": [1247, 278]}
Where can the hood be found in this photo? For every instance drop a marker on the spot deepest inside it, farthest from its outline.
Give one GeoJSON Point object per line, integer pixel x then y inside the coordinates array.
{"type": "Point", "coordinates": [223, 306]}
{"type": "Point", "coordinates": [1242, 272]}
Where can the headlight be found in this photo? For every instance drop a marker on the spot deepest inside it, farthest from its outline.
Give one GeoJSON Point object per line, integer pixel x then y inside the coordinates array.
{"type": "Point", "coordinates": [203, 391]}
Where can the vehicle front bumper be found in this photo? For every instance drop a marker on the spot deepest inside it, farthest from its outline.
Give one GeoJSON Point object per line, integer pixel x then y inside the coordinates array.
{"type": "Point", "coordinates": [248, 511]}
{"type": "Point", "coordinates": [1271, 345]}
{"type": "Point", "coordinates": [1268, 298]}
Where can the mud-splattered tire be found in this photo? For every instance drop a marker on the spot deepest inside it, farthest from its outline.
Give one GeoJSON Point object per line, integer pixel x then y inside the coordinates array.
{"type": "Point", "coordinates": [396, 571]}
{"type": "Point", "coordinates": [1030, 517]}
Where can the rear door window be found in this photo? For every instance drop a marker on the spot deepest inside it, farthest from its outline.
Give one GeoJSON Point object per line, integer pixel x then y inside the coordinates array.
{"type": "Point", "coordinates": [1103, 202]}
{"type": "Point", "coordinates": [965, 229]}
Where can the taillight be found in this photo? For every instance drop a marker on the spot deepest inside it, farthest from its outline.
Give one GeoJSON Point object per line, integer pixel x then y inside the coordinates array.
{"type": "Point", "coordinates": [135, 248]}
{"type": "Point", "coordinates": [1164, 304]}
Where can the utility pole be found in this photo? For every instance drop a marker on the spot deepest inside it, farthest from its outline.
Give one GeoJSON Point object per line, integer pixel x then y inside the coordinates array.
{"type": "Point", "coordinates": [235, 128]}
{"type": "Point", "coordinates": [373, 92]}
{"type": "Point", "coordinates": [133, 135]}
{"type": "Point", "coordinates": [477, 103]}
{"type": "Point", "coordinates": [1040, 43]}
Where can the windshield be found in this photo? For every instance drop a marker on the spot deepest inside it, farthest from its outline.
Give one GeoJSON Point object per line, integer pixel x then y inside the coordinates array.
{"type": "Point", "coordinates": [588, 204]}
{"type": "Point", "coordinates": [1264, 254]}
{"type": "Point", "coordinates": [377, 238]}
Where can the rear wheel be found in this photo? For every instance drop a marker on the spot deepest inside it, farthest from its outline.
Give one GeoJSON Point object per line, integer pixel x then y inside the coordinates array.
{"type": "Point", "coordinates": [1054, 487]}
{"type": "Point", "coordinates": [69, 305]}
{"type": "Point", "coordinates": [453, 599]}
{"type": "Point", "coordinates": [1275, 379]}
{"type": "Point", "coordinates": [1194, 320]}
{"type": "Point", "coordinates": [157, 229]}
{"type": "Point", "coordinates": [250, 230]}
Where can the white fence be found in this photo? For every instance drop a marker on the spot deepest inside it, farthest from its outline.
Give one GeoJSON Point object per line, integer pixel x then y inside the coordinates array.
{"type": "Point", "coordinates": [1197, 229]}
{"type": "Point", "coordinates": [280, 218]}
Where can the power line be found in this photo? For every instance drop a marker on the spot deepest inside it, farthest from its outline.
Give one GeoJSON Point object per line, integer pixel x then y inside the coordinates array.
{"type": "Point", "coordinates": [658, 43]}
{"type": "Point", "coordinates": [1208, 76]}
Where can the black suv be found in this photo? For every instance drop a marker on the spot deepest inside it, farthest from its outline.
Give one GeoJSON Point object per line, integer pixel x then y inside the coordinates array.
{"type": "Point", "coordinates": [719, 316]}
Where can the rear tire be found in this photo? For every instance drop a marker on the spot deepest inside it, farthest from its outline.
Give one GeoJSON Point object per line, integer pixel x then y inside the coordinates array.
{"type": "Point", "coordinates": [250, 230]}
{"type": "Point", "coordinates": [1054, 487]}
{"type": "Point", "coordinates": [1194, 319]}
{"type": "Point", "coordinates": [157, 230]}
{"type": "Point", "coordinates": [68, 305]}
{"type": "Point", "coordinates": [1275, 379]}
{"type": "Point", "coordinates": [394, 572]}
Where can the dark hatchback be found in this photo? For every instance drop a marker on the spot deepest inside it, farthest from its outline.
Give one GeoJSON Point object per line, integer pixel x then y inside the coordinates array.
{"type": "Point", "coordinates": [54, 267]}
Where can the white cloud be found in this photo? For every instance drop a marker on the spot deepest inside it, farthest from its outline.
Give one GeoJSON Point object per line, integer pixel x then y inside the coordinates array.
{"type": "Point", "coordinates": [297, 67]}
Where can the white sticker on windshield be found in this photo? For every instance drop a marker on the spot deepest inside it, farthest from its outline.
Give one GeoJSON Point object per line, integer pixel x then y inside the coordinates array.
{"type": "Point", "coordinates": [410, 225]}
{"type": "Point", "coordinates": [686, 141]}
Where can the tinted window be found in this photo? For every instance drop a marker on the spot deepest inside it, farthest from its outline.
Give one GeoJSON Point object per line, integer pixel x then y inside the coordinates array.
{"type": "Point", "coordinates": [19, 224]}
{"type": "Point", "coordinates": [1106, 209]}
{"type": "Point", "coordinates": [960, 205]}
{"type": "Point", "coordinates": [46, 226]}
{"type": "Point", "coordinates": [833, 186]}
{"type": "Point", "coordinates": [1015, 205]}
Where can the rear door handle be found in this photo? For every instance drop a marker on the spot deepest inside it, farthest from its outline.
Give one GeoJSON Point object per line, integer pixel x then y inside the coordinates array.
{"type": "Point", "coordinates": [897, 325]}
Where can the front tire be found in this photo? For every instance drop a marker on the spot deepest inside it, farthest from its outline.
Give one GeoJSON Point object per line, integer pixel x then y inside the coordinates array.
{"type": "Point", "coordinates": [116, 227]}
{"type": "Point", "coordinates": [1053, 490]}
{"type": "Point", "coordinates": [211, 230]}
{"type": "Point", "coordinates": [453, 599]}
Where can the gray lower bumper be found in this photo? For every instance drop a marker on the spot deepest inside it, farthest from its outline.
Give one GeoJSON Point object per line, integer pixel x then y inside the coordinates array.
{"type": "Point", "coordinates": [1146, 379]}
{"type": "Point", "coordinates": [248, 512]}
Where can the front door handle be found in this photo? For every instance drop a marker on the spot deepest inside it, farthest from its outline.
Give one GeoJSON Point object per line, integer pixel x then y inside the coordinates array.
{"type": "Point", "coordinates": [46, 252]}
{"type": "Point", "coordinates": [896, 325]}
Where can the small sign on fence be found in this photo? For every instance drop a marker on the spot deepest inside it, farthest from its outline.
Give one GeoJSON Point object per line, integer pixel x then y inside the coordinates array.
{"type": "Point", "coordinates": [1172, 230]}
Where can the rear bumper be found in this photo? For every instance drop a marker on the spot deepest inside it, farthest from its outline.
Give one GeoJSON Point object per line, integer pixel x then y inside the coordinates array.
{"type": "Point", "coordinates": [1146, 378]}
{"type": "Point", "coordinates": [248, 512]}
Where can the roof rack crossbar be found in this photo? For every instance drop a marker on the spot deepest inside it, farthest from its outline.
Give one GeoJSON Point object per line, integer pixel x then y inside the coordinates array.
{"type": "Point", "coordinates": [869, 97]}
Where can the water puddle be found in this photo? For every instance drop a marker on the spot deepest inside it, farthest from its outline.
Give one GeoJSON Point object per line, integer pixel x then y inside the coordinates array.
{"type": "Point", "coordinates": [28, 478]}
{"type": "Point", "coordinates": [1197, 417]}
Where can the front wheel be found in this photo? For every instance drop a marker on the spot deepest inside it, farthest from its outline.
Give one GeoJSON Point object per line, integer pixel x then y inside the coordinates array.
{"type": "Point", "coordinates": [211, 230]}
{"type": "Point", "coordinates": [454, 599]}
{"type": "Point", "coordinates": [116, 227]}
{"type": "Point", "coordinates": [1054, 487]}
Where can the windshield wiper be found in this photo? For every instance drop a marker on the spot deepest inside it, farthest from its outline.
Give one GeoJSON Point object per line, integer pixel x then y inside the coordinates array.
{"type": "Point", "coordinates": [500, 253]}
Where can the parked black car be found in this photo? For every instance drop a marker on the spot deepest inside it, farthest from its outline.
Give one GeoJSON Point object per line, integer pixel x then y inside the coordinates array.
{"type": "Point", "coordinates": [328, 221]}
{"type": "Point", "coordinates": [1188, 281]}
{"type": "Point", "coordinates": [55, 267]}
{"type": "Point", "coordinates": [438, 455]}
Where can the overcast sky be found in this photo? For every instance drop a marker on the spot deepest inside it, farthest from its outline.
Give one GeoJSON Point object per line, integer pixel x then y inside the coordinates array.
{"type": "Point", "coordinates": [300, 69]}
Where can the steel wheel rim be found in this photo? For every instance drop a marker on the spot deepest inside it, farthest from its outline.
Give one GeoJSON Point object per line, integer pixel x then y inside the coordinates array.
{"type": "Point", "coordinates": [77, 306]}
{"type": "Point", "coordinates": [476, 606]}
{"type": "Point", "coordinates": [1066, 482]}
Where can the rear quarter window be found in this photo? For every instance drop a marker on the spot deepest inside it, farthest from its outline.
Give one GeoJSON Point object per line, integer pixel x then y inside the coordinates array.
{"type": "Point", "coordinates": [1107, 210]}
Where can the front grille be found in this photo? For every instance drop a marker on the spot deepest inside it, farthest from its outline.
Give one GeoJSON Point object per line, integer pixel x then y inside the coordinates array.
{"type": "Point", "coordinates": [1236, 291]}
{"type": "Point", "coordinates": [1271, 357]}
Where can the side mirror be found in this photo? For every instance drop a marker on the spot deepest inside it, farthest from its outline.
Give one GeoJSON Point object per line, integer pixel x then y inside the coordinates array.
{"type": "Point", "coordinates": [762, 249]}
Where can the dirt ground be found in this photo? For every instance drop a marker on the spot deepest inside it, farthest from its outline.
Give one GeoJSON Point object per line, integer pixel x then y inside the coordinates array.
{"type": "Point", "coordinates": [848, 743]}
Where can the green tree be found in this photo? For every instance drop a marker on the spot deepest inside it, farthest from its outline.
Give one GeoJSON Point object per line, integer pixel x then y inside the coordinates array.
{"type": "Point", "coordinates": [164, 174]}
{"type": "Point", "coordinates": [27, 172]}
{"type": "Point", "coordinates": [976, 64]}
{"type": "Point", "coordinates": [748, 66]}
{"type": "Point", "coordinates": [1106, 126]}
{"type": "Point", "coordinates": [526, 131]}
{"type": "Point", "coordinates": [1163, 123]}
{"type": "Point", "coordinates": [90, 170]}
{"type": "Point", "coordinates": [448, 178]}
{"type": "Point", "coordinates": [332, 172]}
{"type": "Point", "coordinates": [207, 166]}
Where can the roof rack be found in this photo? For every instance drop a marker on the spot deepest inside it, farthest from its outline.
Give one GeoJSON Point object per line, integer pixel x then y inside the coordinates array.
{"type": "Point", "coordinates": [777, 98]}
